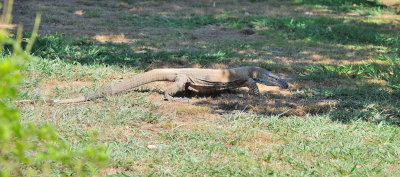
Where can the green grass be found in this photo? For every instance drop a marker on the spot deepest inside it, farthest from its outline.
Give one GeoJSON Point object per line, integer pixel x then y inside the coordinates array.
{"type": "Point", "coordinates": [91, 14]}
{"type": "Point", "coordinates": [330, 29]}
{"type": "Point", "coordinates": [331, 149]}
{"type": "Point", "coordinates": [238, 145]}
{"type": "Point", "coordinates": [388, 71]}
{"type": "Point", "coordinates": [359, 102]}
{"type": "Point", "coordinates": [345, 5]}
{"type": "Point", "coordinates": [85, 51]}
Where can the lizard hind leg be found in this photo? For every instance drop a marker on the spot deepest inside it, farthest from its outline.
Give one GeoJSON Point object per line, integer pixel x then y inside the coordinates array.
{"type": "Point", "coordinates": [179, 85]}
{"type": "Point", "coordinates": [253, 88]}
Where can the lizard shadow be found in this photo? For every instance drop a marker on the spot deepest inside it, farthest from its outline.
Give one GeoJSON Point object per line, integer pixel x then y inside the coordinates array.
{"type": "Point", "coordinates": [239, 101]}
{"type": "Point", "coordinates": [192, 95]}
{"type": "Point", "coordinates": [188, 93]}
{"type": "Point", "coordinates": [236, 100]}
{"type": "Point", "coordinates": [147, 90]}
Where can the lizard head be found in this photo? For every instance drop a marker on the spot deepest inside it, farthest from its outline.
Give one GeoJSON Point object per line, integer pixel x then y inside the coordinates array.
{"type": "Point", "coordinates": [267, 78]}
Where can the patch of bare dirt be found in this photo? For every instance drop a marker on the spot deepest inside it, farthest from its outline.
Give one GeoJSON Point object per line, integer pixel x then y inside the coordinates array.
{"type": "Point", "coordinates": [113, 38]}
{"type": "Point", "coordinates": [210, 33]}
{"type": "Point", "coordinates": [261, 140]}
{"type": "Point", "coordinates": [392, 167]}
{"type": "Point", "coordinates": [182, 111]}
{"type": "Point", "coordinates": [112, 171]}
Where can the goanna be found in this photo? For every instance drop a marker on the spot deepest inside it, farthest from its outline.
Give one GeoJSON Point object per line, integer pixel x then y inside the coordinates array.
{"type": "Point", "coordinates": [194, 79]}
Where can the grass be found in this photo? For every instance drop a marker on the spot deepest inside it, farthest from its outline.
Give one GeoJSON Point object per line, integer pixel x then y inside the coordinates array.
{"type": "Point", "coordinates": [366, 6]}
{"type": "Point", "coordinates": [239, 144]}
{"type": "Point", "coordinates": [85, 51]}
{"type": "Point", "coordinates": [340, 118]}
{"type": "Point", "coordinates": [387, 71]}
{"type": "Point", "coordinates": [92, 14]}
{"type": "Point", "coordinates": [346, 31]}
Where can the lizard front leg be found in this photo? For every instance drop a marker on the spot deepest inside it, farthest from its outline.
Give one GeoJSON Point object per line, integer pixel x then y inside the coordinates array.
{"type": "Point", "coordinates": [253, 88]}
{"type": "Point", "coordinates": [180, 85]}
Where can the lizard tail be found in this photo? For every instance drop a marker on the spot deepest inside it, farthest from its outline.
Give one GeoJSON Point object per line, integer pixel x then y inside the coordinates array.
{"type": "Point", "coordinates": [135, 81]}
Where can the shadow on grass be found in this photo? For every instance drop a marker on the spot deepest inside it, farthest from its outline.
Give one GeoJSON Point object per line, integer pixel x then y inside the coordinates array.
{"type": "Point", "coordinates": [310, 29]}
{"type": "Point", "coordinates": [363, 100]}
{"type": "Point", "coordinates": [330, 30]}
{"type": "Point", "coordinates": [88, 52]}
{"type": "Point", "coordinates": [367, 103]}
{"type": "Point", "coordinates": [319, 28]}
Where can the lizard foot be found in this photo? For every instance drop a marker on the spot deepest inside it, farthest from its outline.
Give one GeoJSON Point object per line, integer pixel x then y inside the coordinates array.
{"type": "Point", "coordinates": [256, 95]}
